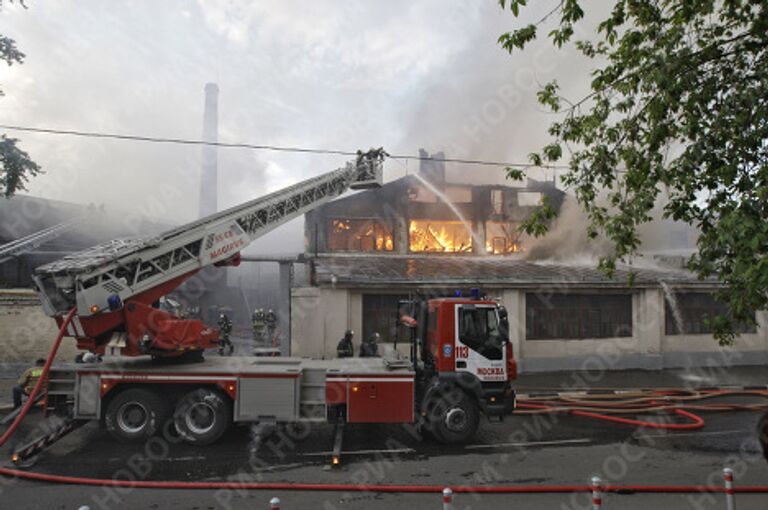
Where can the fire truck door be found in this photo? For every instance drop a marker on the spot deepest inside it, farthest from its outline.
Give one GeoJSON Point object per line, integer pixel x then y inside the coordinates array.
{"type": "Point", "coordinates": [480, 343]}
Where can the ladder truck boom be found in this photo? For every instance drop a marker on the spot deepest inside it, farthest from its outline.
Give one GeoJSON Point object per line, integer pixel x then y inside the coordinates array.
{"type": "Point", "coordinates": [113, 285]}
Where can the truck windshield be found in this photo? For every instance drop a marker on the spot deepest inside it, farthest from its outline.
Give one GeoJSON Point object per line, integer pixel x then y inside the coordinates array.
{"type": "Point", "coordinates": [479, 330]}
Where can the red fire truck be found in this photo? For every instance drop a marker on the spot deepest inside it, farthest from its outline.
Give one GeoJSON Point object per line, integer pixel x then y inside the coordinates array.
{"type": "Point", "coordinates": [460, 364]}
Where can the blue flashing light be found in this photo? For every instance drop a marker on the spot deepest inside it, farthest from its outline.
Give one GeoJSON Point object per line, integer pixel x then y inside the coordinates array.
{"type": "Point", "coordinates": [476, 294]}
{"type": "Point", "coordinates": [457, 293]}
{"type": "Point", "coordinates": [114, 302]}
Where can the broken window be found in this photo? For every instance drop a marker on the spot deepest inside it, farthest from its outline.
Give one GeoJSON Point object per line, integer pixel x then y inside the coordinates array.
{"type": "Point", "coordinates": [690, 312]}
{"type": "Point", "coordinates": [577, 316]}
{"type": "Point", "coordinates": [502, 238]}
{"type": "Point", "coordinates": [440, 236]}
{"type": "Point", "coordinates": [360, 235]}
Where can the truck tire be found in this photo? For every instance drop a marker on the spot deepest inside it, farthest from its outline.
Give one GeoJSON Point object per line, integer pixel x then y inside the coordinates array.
{"type": "Point", "coordinates": [454, 417]}
{"type": "Point", "coordinates": [202, 416]}
{"type": "Point", "coordinates": [136, 414]}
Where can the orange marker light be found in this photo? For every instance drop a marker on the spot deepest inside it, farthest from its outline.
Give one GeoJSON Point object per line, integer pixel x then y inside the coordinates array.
{"type": "Point", "coordinates": [15, 458]}
{"type": "Point", "coordinates": [335, 461]}
{"type": "Point", "coordinates": [355, 388]}
{"type": "Point", "coordinates": [95, 309]}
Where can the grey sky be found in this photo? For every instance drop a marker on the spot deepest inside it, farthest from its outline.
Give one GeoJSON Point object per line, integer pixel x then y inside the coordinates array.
{"type": "Point", "coordinates": [344, 75]}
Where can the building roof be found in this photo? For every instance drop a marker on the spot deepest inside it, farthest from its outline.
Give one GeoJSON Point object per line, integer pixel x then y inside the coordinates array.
{"type": "Point", "coordinates": [426, 270]}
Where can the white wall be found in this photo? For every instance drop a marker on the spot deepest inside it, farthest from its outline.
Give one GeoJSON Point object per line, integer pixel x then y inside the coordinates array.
{"type": "Point", "coordinates": [320, 317]}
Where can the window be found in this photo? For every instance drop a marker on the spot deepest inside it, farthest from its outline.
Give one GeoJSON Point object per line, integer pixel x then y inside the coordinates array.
{"type": "Point", "coordinates": [502, 238]}
{"type": "Point", "coordinates": [577, 316]}
{"type": "Point", "coordinates": [360, 235]}
{"type": "Point", "coordinates": [479, 330]}
{"type": "Point", "coordinates": [690, 311]}
{"type": "Point", "coordinates": [497, 201]}
{"type": "Point", "coordinates": [380, 313]}
{"type": "Point", "coordinates": [440, 236]}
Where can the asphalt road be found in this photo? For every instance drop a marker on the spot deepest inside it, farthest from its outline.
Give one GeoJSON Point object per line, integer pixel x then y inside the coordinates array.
{"type": "Point", "coordinates": [520, 451]}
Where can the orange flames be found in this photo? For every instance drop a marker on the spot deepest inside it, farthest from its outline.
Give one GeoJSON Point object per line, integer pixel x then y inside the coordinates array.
{"type": "Point", "coordinates": [440, 236]}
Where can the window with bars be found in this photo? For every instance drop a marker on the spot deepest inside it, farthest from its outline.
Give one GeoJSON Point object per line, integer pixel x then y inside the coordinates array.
{"type": "Point", "coordinates": [380, 315]}
{"type": "Point", "coordinates": [577, 316]}
{"type": "Point", "coordinates": [690, 313]}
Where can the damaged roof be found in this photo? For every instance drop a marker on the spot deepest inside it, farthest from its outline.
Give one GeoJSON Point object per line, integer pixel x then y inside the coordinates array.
{"type": "Point", "coordinates": [393, 270]}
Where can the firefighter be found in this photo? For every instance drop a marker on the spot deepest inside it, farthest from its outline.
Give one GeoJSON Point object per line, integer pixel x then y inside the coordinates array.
{"type": "Point", "coordinates": [27, 382]}
{"type": "Point", "coordinates": [345, 349]}
{"type": "Point", "coordinates": [225, 328]}
{"type": "Point", "coordinates": [271, 322]}
{"type": "Point", "coordinates": [370, 347]}
{"type": "Point", "coordinates": [259, 324]}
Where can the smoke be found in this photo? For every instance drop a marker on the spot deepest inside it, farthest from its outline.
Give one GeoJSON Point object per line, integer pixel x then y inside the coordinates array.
{"type": "Point", "coordinates": [567, 239]}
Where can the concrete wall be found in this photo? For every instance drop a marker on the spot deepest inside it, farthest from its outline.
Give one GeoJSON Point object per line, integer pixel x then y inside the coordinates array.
{"type": "Point", "coordinates": [26, 333]}
{"type": "Point", "coordinates": [327, 313]}
{"type": "Point", "coordinates": [319, 318]}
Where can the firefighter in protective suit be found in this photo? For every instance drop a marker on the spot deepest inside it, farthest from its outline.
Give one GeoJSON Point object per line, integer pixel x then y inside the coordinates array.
{"type": "Point", "coordinates": [370, 346]}
{"type": "Point", "coordinates": [271, 323]}
{"type": "Point", "coordinates": [225, 328]}
{"type": "Point", "coordinates": [345, 349]}
{"type": "Point", "coordinates": [259, 326]}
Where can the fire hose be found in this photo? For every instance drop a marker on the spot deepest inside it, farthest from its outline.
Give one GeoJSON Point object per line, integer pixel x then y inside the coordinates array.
{"type": "Point", "coordinates": [545, 405]}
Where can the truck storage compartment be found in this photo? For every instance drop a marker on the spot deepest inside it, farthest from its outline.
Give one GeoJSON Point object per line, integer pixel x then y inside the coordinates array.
{"type": "Point", "coordinates": [268, 397]}
{"type": "Point", "coordinates": [372, 400]}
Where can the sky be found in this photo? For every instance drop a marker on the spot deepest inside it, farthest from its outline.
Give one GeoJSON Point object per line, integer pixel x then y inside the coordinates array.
{"type": "Point", "coordinates": [325, 74]}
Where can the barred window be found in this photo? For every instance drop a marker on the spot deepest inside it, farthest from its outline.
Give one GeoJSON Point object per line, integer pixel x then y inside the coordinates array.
{"type": "Point", "coordinates": [692, 311]}
{"type": "Point", "coordinates": [577, 316]}
{"type": "Point", "coordinates": [380, 314]}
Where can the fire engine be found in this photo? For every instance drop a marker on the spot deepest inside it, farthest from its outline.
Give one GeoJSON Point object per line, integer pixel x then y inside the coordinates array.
{"type": "Point", "coordinates": [460, 364]}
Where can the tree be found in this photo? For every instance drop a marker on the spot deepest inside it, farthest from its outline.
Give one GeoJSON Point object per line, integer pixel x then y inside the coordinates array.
{"type": "Point", "coordinates": [678, 102]}
{"type": "Point", "coordinates": [16, 167]}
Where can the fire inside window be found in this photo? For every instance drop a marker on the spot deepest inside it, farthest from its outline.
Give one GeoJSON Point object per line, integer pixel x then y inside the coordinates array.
{"type": "Point", "coordinates": [502, 238]}
{"type": "Point", "coordinates": [360, 235]}
{"type": "Point", "coordinates": [440, 236]}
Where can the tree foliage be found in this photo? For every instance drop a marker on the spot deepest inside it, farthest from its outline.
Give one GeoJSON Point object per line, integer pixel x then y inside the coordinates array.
{"type": "Point", "coordinates": [16, 167]}
{"type": "Point", "coordinates": [678, 102]}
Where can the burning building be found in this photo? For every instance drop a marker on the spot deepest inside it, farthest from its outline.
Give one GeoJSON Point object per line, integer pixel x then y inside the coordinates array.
{"type": "Point", "coordinates": [437, 235]}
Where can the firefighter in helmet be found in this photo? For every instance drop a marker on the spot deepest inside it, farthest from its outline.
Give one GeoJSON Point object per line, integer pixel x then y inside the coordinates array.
{"type": "Point", "coordinates": [259, 326]}
{"type": "Point", "coordinates": [345, 349]}
{"type": "Point", "coordinates": [370, 346]}
{"type": "Point", "coordinates": [271, 324]}
{"type": "Point", "coordinates": [225, 328]}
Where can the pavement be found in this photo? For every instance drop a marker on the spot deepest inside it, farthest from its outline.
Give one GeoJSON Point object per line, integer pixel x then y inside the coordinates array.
{"type": "Point", "coordinates": [523, 450]}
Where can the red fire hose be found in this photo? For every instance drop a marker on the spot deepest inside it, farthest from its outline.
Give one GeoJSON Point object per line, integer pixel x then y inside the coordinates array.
{"type": "Point", "coordinates": [510, 489]}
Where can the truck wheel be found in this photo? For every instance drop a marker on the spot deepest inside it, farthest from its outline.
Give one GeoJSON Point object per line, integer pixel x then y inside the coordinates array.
{"type": "Point", "coordinates": [454, 417]}
{"type": "Point", "coordinates": [136, 414]}
{"type": "Point", "coordinates": [202, 416]}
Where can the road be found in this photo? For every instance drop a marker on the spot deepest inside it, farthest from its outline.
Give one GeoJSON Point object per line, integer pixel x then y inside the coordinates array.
{"type": "Point", "coordinates": [520, 451]}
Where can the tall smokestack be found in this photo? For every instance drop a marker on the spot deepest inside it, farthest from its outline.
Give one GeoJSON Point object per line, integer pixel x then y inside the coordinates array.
{"type": "Point", "coordinates": [209, 175]}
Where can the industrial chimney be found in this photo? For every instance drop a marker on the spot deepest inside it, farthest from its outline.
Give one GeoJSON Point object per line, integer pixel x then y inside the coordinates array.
{"type": "Point", "coordinates": [209, 175]}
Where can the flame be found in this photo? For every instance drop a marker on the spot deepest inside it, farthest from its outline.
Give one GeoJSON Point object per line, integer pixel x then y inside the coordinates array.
{"type": "Point", "coordinates": [502, 238]}
{"type": "Point", "coordinates": [440, 236]}
{"type": "Point", "coordinates": [360, 235]}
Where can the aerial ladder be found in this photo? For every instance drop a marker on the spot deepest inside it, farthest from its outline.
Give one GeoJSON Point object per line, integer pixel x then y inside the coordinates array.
{"type": "Point", "coordinates": [114, 285]}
